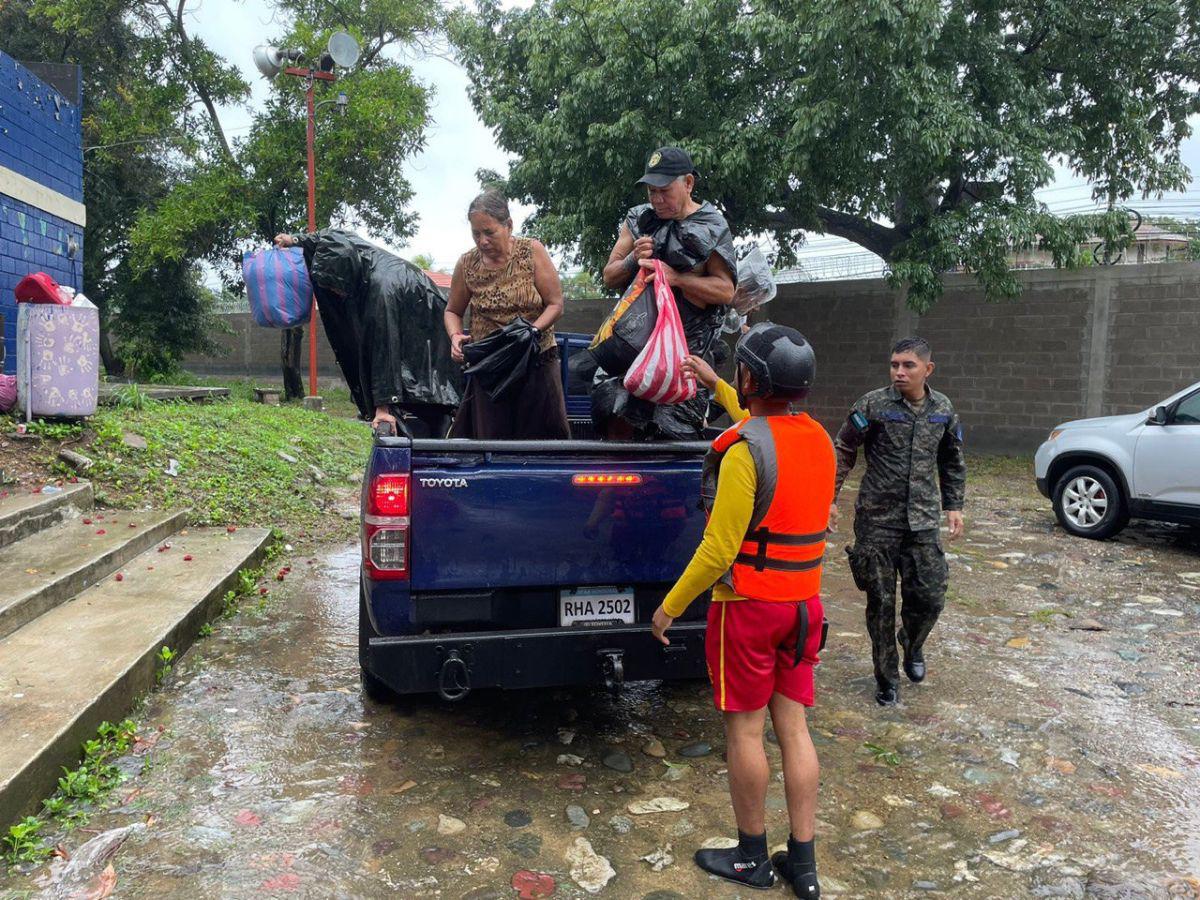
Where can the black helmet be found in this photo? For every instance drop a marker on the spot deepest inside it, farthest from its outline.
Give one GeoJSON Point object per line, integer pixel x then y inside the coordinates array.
{"type": "Point", "coordinates": [781, 360]}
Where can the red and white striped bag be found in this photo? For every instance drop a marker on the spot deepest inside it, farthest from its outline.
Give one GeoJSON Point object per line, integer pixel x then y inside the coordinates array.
{"type": "Point", "coordinates": [656, 374]}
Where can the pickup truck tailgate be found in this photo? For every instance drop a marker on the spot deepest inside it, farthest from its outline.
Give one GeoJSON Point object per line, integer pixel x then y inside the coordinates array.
{"type": "Point", "coordinates": [490, 515]}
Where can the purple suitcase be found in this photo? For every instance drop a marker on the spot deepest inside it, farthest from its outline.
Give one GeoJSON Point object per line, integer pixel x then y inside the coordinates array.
{"type": "Point", "coordinates": [58, 359]}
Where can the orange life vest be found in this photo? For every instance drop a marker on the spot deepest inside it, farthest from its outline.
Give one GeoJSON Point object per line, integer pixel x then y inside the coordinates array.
{"type": "Point", "coordinates": [795, 467]}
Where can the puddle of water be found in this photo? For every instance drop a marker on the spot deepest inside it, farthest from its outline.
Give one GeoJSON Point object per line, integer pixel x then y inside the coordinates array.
{"type": "Point", "coordinates": [275, 777]}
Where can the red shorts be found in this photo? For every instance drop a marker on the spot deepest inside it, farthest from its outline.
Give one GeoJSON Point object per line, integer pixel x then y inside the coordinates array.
{"type": "Point", "coordinates": [750, 647]}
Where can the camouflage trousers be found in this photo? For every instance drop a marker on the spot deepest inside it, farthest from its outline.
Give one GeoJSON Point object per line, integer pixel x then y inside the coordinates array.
{"type": "Point", "coordinates": [877, 557]}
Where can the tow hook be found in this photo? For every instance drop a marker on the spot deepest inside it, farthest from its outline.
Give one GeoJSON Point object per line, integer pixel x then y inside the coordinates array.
{"type": "Point", "coordinates": [613, 667]}
{"type": "Point", "coordinates": [454, 679]}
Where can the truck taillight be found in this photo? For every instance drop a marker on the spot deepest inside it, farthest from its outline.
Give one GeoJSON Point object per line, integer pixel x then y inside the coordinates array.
{"type": "Point", "coordinates": [385, 528]}
{"type": "Point", "coordinates": [385, 553]}
{"type": "Point", "coordinates": [389, 495]}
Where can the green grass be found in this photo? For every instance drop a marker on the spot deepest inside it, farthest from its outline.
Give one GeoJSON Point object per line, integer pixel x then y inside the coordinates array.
{"type": "Point", "coordinates": [24, 842]}
{"type": "Point", "coordinates": [230, 469]}
{"type": "Point", "coordinates": [78, 792]}
{"type": "Point", "coordinates": [1046, 614]}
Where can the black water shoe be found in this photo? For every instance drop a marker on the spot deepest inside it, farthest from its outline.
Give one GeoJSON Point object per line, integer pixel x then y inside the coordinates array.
{"type": "Point", "coordinates": [746, 864]}
{"type": "Point", "coordinates": [798, 867]}
{"type": "Point", "coordinates": [804, 883]}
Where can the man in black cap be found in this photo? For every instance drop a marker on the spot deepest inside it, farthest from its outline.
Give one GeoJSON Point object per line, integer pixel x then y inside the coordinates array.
{"type": "Point", "coordinates": [693, 240]}
{"type": "Point", "coordinates": [670, 179]}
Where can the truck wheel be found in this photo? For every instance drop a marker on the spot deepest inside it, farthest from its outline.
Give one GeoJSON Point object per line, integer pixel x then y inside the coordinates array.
{"type": "Point", "coordinates": [372, 687]}
{"type": "Point", "coordinates": [1088, 503]}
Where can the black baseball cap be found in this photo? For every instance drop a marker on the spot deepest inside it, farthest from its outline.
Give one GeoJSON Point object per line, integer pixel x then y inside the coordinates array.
{"type": "Point", "coordinates": [665, 165]}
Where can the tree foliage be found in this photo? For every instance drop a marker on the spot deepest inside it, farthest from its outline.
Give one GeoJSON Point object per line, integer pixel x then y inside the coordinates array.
{"type": "Point", "coordinates": [168, 188]}
{"type": "Point", "coordinates": [259, 187]}
{"type": "Point", "coordinates": [919, 129]}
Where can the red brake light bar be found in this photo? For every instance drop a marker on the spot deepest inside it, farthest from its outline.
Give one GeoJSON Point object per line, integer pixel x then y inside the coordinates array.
{"type": "Point", "coordinates": [389, 495]}
{"type": "Point", "coordinates": [605, 480]}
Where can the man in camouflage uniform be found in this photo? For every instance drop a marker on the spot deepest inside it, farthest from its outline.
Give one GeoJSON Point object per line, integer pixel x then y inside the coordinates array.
{"type": "Point", "coordinates": [915, 469]}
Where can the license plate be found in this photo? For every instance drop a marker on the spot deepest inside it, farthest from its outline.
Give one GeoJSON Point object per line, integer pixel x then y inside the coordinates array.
{"type": "Point", "coordinates": [595, 606]}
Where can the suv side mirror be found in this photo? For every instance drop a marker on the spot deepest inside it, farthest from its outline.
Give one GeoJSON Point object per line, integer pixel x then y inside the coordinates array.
{"type": "Point", "coordinates": [1158, 417]}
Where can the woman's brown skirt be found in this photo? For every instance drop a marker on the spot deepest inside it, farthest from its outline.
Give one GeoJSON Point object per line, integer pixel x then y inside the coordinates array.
{"type": "Point", "coordinates": [535, 411]}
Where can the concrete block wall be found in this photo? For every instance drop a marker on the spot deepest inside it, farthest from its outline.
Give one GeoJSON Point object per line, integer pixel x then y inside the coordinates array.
{"type": "Point", "coordinates": [1153, 343]}
{"type": "Point", "coordinates": [41, 189]}
{"type": "Point", "coordinates": [1093, 342]}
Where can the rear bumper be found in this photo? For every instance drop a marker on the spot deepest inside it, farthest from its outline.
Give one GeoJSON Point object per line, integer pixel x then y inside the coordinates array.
{"type": "Point", "coordinates": [544, 657]}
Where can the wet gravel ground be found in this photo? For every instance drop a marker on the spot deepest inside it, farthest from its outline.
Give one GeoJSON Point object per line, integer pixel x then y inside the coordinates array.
{"type": "Point", "coordinates": [1054, 751]}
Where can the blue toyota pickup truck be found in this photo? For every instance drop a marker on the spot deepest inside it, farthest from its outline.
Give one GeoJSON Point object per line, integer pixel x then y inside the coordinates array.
{"type": "Point", "coordinates": [518, 564]}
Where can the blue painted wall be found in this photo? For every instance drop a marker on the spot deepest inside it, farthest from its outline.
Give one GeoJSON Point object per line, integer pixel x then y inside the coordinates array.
{"type": "Point", "coordinates": [41, 138]}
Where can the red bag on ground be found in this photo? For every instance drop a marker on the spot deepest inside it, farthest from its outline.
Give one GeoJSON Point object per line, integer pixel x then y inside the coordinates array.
{"type": "Point", "coordinates": [41, 288]}
{"type": "Point", "coordinates": [656, 374]}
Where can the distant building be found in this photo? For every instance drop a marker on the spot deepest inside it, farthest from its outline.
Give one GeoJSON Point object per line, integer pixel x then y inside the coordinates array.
{"type": "Point", "coordinates": [441, 279]}
{"type": "Point", "coordinates": [1151, 244]}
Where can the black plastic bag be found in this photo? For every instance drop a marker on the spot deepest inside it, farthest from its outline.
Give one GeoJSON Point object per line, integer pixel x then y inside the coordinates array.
{"type": "Point", "coordinates": [647, 421]}
{"type": "Point", "coordinates": [581, 370]}
{"type": "Point", "coordinates": [501, 362]}
{"type": "Point", "coordinates": [384, 320]}
{"type": "Point", "coordinates": [686, 245]}
{"type": "Point", "coordinates": [618, 343]}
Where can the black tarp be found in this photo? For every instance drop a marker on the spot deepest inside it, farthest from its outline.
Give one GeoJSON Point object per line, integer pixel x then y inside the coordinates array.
{"type": "Point", "coordinates": [383, 318]}
{"type": "Point", "coordinates": [501, 362]}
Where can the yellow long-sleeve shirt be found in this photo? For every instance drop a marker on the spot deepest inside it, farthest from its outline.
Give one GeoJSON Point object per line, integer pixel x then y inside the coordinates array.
{"type": "Point", "coordinates": [727, 396]}
{"type": "Point", "coordinates": [732, 509]}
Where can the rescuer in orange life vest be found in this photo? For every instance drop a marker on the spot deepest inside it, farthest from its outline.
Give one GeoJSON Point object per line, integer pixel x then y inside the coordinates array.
{"type": "Point", "coordinates": [767, 487]}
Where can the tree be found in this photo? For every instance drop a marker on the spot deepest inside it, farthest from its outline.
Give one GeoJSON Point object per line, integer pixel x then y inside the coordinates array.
{"type": "Point", "coordinates": [242, 192]}
{"type": "Point", "coordinates": [918, 129]}
{"type": "Point", "coordinates": [583, 285]}
{"type": "Point", "coordinates": [423, 261]}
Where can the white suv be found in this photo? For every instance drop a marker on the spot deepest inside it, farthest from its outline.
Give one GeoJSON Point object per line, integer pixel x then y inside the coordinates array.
{"type": "Point", "coordinates": [1099, 473]}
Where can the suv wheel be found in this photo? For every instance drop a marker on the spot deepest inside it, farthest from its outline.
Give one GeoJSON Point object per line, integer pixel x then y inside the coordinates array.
{"type": "Point", "coordinates": [1089, 504]}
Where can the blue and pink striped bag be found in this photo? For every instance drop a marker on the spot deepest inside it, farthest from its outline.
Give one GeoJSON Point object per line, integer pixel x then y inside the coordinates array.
{"type": "Point", "coordinates": [278, 287]}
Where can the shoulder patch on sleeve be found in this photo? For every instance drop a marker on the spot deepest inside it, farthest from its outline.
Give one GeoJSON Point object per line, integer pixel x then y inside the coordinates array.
{"type": "Point", "coordinates": [859, 421]}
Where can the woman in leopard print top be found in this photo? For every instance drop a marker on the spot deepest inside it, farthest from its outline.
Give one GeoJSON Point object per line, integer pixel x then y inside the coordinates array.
{"type": "Point", "coordinates": [502, 278]}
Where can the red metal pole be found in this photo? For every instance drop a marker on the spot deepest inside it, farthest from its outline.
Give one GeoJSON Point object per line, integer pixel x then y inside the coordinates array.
{"type": "Point", "coordinates": [312, 226]}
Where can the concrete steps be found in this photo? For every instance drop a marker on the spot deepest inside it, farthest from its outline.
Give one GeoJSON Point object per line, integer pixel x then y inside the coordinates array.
{"type": "Point", "coordinates": [23, 513]}
{"type": "Point", "coordinates": [80, 643]}
{"type": "Point", "coordinates": [46, 568]}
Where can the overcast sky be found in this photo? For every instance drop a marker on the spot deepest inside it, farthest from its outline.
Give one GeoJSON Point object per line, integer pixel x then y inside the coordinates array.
{"type": "Point", "coordinates": [457, 143]}
{"type": "Point", "coordinates": [443, 175]}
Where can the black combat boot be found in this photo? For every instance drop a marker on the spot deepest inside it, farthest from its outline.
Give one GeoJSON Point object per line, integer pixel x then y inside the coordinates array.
{"type": "Point", "coordinates": [746, 864]}
{"type": "Point", "coordinates": [914, 660]}
{"type": "Point", "coordinates": [886, 693]}
{"type": "Point", "coordinates": [798, 867]}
